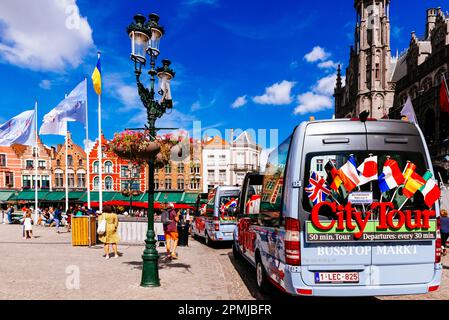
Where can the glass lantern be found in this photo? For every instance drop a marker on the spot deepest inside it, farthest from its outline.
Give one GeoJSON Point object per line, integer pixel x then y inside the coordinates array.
{"type": "Point", "coordinates": [139, 43]}
{"type": "Point", "coordinates": [156, 33]}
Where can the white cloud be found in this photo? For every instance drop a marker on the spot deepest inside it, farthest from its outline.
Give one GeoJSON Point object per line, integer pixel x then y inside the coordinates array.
{"type": "Point", "coordinates": [240, 102]}
{"type": "Point", "coordinates": [317, 54]}
{"type": "Point", "coordinates": [277, 94]}
{"type": "Point", "coordinates": [319, 98]}
{"type": "Point", "coordinates": [197, 105]}
{"type": "Point", "coordinates": [90, 145]}
{"type": "Point", "coordinates": [328, 65]}
{"type": "Point", "coordinates": [310, 102]}
{"type": "Point", "coordinates": [126, 94]}
{"type": "Point", "coordinates": [45, 84]}
{"type": "Point", "coordinates": [46, 35]}
{"type": "Point", "coordinates": [326, 85]}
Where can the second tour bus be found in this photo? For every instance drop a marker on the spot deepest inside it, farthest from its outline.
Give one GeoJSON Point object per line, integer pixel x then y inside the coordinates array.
{"type": "Point", "coordinates": [217, 220]}
{"type": "Point", "coordinates": [344, 208]}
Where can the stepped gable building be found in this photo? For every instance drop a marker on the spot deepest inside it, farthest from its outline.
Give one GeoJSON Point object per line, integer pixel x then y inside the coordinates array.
{"type": "Point", "coordinates": [118, 174]}
{"type": "Point", "coordinates": [77, 166]}
{"type": "Point", "coordinates": [26, 154]}
{"type": "Point", "coordinates": [10, 169]}
{"type": "Point", "coordinates": [368, 85]}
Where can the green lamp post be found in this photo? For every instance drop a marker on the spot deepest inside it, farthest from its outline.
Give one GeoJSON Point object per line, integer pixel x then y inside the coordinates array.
{"type": "Point", "coordinates": [145, 39]}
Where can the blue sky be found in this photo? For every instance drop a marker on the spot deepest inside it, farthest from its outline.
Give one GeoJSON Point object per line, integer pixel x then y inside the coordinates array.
{"type": "Point", "coordinates": [240, 64]}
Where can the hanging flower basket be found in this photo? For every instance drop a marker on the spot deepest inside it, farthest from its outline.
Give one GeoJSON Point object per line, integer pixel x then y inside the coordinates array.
{"type": "Point", "coordinates": [137, 146]}
{"type": "Point", "coordinates": [134, 145]}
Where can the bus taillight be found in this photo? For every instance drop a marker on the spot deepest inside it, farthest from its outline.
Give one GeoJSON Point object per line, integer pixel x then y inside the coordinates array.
{"type": "Point", "coordinates": [292, 242]}
{"type": "Point", "coordinates": [438, 242]}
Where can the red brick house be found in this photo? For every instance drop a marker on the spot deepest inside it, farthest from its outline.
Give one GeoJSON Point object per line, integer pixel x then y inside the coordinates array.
{"type": "Point", "coordinates": [116, 171]}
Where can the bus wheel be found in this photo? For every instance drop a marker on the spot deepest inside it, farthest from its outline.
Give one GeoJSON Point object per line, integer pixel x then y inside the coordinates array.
{"type": "Point", "coordinates": [261, 276]}
{"type": "Point", "coordinates": [207, 240]}
{"type": "Point", "coordinates": [235, 252]}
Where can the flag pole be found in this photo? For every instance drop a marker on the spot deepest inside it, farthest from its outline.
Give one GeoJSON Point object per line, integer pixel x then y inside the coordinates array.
{"type": "Point", "coordinates": [100, 151]}
{"type": "Point", "coordinates": [86, 146]}
{"type": "Point", "coordinates": [100, 156]}
{"type": "Point", "coordinates": [36, 162]}
{"type": "Point", "coordinates": [66, 167]}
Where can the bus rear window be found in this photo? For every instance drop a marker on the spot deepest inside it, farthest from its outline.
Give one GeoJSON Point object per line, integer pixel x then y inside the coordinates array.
{"type": "Point", "coordinates": [328, 177]}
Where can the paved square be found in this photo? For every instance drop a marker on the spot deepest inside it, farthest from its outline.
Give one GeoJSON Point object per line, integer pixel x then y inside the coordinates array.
{"type": "Point", "coordinates": [46, 267]}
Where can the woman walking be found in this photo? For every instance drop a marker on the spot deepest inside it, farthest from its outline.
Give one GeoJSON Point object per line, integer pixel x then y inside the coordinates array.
{"type": "Point", "coordinates": [110, 237]}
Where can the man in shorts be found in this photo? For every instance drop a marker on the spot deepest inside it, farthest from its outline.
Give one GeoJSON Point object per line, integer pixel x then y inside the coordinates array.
{"type": "Point", "coordinates": [171, 232]}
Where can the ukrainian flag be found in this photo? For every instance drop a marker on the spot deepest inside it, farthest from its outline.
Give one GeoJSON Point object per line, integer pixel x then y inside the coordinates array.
{"type": "Point", "coordinates": [96, 77]}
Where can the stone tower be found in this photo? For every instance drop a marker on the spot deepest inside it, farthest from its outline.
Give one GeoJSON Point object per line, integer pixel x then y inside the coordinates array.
{"type": "Point", "coordinates": [368, 76]}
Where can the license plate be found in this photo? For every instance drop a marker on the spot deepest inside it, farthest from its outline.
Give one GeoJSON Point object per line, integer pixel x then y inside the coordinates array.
{"type": "Point", "coordinates": [337, 277]}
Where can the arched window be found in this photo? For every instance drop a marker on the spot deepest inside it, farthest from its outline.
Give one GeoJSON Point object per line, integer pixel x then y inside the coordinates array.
{"type": "Point", "coordinates": [58, 163]}
{"type": "Point", "coordinates": [96, 167]}
{"type": "Point", "coordinates": [70, 161]}
{"type": "Point", "coordinates": [168, 168]}
{"type": "Point", "coordinates": [168, 184]}
{"type": "Point", "coordinates": [96, 183]}
{"type": "Point", "coordinates": [181, 183]}
{"type": "Point", "coordinates": [108, 167]}
{"type": "Point", "coordinates": [108, 184]}
{"type": "Point", "coordinates": [80, 162]}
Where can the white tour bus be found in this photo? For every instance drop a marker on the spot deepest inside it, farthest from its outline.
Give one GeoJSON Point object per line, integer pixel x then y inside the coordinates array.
{"type": "Point", "coordinates": [216, 221]}
{"type": "Point", "coordinates": [304, 232]}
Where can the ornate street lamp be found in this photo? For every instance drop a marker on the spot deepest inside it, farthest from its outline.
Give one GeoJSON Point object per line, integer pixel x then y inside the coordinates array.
{"type": "Point", "coordinates": [145, 40]}
{"type": "Point", "coordinates": [130, 191]}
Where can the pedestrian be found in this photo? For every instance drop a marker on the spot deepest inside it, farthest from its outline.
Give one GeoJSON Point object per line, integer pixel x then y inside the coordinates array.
{"type": "Point", "coordinates": [28, 225]}
{"type": "Point", "coordinates": [171, 230]}
{"type": "Point", "coordinates": [57, 218]}
{"type": "Point", "coordinates": [79, 212]}
{"type": "Point", "coordinates": [110, 237]}
{"type": "Point", "coordinates": [9, 214]}
{"type": "Point", "coordinates": [444, 230]}
{"type": "Point", "coordinates": [69, 219]}
{"type": "Point", "coordinates": [188, 220]}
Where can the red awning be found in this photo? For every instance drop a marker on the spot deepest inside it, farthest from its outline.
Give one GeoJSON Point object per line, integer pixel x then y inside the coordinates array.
{"type": "Point", "coordinates": [136, 204]}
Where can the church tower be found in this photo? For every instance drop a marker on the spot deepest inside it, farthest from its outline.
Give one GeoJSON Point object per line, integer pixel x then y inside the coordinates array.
{"type": "Point", "coordinates": [375, 93]}
{"type": "Point", "coordinates": [368, 76]}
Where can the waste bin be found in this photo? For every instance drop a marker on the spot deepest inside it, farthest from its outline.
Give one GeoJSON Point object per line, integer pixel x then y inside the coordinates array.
{"type": "Point", "coordinates": [84, 231]}
{"type": "Point", "coordinates": [183, 233]}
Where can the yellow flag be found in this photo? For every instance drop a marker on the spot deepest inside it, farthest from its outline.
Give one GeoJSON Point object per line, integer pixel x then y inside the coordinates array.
{"type": "Point", "coordinates": [96, 77]}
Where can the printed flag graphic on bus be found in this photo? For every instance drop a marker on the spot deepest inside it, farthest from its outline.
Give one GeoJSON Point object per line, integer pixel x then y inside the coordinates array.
{"type": "Point", "coordinates": [317, 189]}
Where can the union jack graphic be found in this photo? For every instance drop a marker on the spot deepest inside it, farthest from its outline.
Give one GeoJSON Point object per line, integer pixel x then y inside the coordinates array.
{"type": "Point", "coordinates": [317, 190]}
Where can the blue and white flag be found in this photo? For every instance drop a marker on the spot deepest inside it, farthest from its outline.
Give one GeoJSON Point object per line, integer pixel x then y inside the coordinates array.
{"type": "Point", "coordinates": [72, 108]}
{"type": "Point", "coordinates": [19, 130]}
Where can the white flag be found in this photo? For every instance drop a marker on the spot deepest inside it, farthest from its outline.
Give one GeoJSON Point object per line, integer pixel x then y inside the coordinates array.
{"type": "Point", "coordinates": [19, 130]}
{"type": "Point", "coordinates": [408, 111]}
{"type": "Point", "coordinates": [72, 108]}
{"type": "Point", "coordinates": [52, 125]}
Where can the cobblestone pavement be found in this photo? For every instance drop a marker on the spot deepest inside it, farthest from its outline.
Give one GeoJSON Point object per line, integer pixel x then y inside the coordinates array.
{"type": "Point", "coordinates": [42, 268]}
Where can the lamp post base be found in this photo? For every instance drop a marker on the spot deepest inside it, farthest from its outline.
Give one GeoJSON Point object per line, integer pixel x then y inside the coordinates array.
{"type": "Point", "coordinates": [150, 271]}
